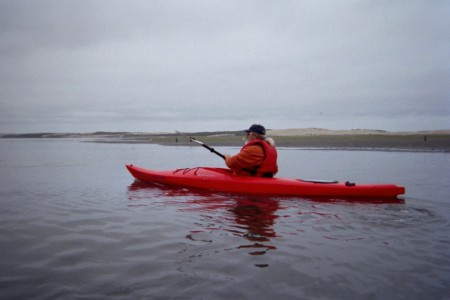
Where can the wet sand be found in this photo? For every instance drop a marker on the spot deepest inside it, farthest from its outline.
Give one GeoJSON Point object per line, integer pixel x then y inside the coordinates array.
{"type": "Point", "coordinates": [351, 140]}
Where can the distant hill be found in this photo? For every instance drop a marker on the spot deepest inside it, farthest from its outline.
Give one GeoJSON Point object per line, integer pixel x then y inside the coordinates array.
{"type": "Point", "coordinates": [322, 131]}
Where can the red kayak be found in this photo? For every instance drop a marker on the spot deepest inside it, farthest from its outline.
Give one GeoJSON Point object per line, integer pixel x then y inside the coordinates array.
{"type": "Point", "coordinates": [222, 180]}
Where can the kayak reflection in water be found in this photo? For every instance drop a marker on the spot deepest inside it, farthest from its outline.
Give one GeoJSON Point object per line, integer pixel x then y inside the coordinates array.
{"type": "Point", "coordinates": [258, 157]}
{"type": "Point", "coordinates": [250, 218]}
{"type": "Point", "coordinates": [256, 218]}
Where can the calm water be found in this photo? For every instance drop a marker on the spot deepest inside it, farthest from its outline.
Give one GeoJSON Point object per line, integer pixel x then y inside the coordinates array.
{"type": "Point", "coordinates": [74, 225]}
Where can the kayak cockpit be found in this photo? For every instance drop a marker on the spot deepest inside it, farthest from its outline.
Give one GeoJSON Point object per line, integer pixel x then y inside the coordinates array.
{"type": "Point", "coordinates": [197, 169]}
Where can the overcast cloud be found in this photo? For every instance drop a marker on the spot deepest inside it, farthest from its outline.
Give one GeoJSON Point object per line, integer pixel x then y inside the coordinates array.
{"type": "Point", "coordinates": [84, 66]}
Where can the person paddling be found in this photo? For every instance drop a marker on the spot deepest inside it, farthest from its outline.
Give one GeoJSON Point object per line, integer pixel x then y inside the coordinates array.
{"type": "Point", "coordinates": [258, 157]}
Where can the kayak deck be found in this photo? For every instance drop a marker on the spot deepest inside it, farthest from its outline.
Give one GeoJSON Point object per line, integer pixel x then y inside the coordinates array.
{"type": "Point", "coordinates": [222, 180]}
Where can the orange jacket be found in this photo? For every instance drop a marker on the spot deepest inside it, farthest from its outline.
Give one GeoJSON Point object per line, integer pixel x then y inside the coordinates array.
{"type": "Point", "coordinates": [253, 161]}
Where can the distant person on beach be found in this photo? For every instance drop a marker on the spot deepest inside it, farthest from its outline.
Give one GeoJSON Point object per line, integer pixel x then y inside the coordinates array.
{"type": "Point", "coordinates": [258, 157]}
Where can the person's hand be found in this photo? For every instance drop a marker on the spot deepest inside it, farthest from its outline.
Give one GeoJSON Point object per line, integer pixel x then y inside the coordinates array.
{"type": "Point", "coordinates": [227, 156]}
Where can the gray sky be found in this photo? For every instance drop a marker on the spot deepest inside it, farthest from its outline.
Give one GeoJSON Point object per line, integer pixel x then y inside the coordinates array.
{"type": "Point", "coordinates": [84, 66]}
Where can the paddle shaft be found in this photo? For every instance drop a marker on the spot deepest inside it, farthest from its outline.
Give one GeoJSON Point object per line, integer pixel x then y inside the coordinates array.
{"type": "Point", "coordinates": [203, 144]}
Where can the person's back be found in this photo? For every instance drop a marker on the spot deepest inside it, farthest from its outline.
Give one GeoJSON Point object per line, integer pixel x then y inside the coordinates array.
{"type": "Point", "coordinates": [258, 157]}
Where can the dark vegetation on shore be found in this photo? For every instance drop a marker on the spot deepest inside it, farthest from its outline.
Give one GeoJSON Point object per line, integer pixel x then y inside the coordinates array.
{"type": "Point", "coordinates": [395, 141]}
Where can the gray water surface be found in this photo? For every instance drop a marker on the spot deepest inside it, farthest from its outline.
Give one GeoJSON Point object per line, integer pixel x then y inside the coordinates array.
{"type": "Point", "coordinates": [75, 225]}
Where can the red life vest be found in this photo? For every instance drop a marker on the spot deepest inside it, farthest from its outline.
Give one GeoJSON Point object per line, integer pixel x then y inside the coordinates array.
{"type": "Point", "coordinates": [268, 167]}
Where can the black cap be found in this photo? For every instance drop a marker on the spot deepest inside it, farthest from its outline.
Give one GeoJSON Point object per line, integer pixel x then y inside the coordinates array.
{"type": "Point", "coordinates": [257, 128]}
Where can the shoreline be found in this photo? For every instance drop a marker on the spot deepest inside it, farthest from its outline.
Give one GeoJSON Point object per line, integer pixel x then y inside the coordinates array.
{"type": "Point", "coordinates": [315, 138]}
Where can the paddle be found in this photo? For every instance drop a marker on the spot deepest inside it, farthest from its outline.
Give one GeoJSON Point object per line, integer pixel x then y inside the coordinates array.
{"type": "Point", "coordinates": [191, 139]}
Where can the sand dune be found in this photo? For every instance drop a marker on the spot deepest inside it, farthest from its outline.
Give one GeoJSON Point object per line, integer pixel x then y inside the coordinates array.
{"type": "Point", "coordinates": [322, 131]}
